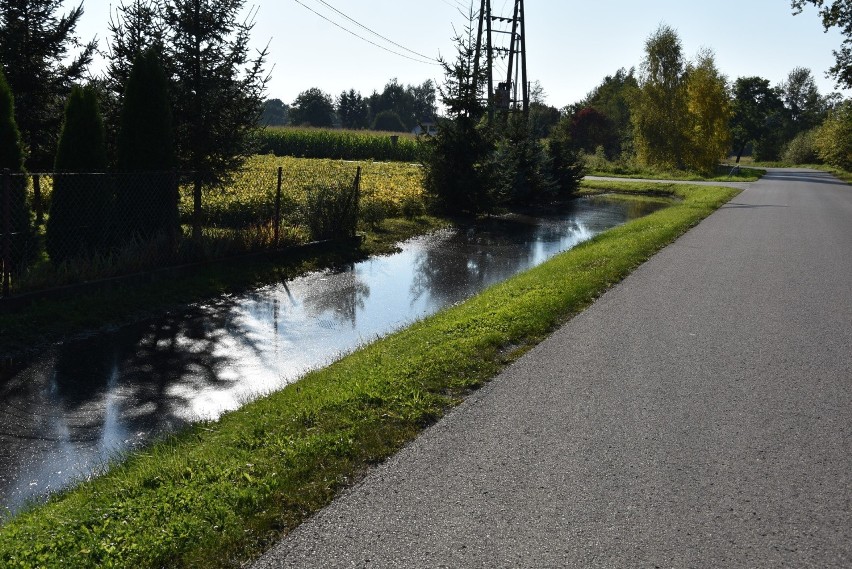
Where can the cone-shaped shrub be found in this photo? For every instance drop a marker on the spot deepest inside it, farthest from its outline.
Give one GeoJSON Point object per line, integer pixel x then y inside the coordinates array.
{"type": "Point", "coordinates": [12, 159]}
{"type": "Point", "coordinates": [147, 198]}
{"type": "Point", "coordinates": [79, 223]}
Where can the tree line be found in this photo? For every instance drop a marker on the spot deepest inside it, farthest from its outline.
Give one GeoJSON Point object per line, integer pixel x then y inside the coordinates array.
{"type": "Point", "coordinates": [397, 108]}
{"type": "Point", "coordinates": [679, 114]}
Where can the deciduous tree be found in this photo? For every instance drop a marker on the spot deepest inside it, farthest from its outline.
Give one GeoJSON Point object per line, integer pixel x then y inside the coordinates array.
{"type": "Point", "coordinates": [757, 116]}
{"type": "Point", "coordinates": [835, 14]}
{"type": "Point", "coordinates": [833, 139]}
{"type": "Point", "coordinates": [613, 99]}
{"type": "Point", "coordinates": [709, 114]}
{"type": "Point", "coordinates": [313, 107]}
{"type": "Point", "coordinates": [275, 113]}
{"type": "Point", "coordinates": [805, 106]}
{"type": "Point", "coordinates": [660, 113]}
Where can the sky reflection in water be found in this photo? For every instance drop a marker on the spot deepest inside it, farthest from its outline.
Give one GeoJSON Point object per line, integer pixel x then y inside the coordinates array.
{"type": "Point", "coordinates": [66, 414]}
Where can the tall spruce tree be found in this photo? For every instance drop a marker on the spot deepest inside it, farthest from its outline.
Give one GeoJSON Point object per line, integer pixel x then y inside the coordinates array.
{"type": "Point", "coordinates": [135, 26]}
{"type": "Point", "coordinates": [36, 48]}
{"type": "Point", "coordinates": [12, 159]}
{"type": "Point", "coordinates": [146, 195]}
{"type": "Point", "coordinates": [79, 223]}
{"type": "Point", "coordinates": [458, 175]}
{"type": "Point", "coordinates": [218, 87]}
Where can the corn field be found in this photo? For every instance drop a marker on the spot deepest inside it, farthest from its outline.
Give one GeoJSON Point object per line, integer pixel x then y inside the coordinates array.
{"type": "Point", "coordinates": [338, 144]}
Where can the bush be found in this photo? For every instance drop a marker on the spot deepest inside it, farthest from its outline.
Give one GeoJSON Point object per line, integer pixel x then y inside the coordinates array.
{"type": "Point", "coordinates": [389, 121]}
{"type": "Point", "coordinates": [82, 196]}
{"type": "Point", "coordinates": [331, 212]}
{"type": "Point", "coordinates": [373, 212]}
{"type": "Point", "coordinates": [802, 149]}
{"type": "Point", "coordinates": [412, 207]}
{"type": "Point", "coordinates": [833, 139]}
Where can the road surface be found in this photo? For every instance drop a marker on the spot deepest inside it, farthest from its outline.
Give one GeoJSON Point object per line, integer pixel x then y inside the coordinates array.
{"type": "Point", "coordinates": [699, 414]}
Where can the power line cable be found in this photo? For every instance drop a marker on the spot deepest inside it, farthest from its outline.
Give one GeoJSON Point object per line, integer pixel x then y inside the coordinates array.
{"type": "Point", "coordinates": [347, 30]}
{"type": "Point", "coordinates": [360, 25]}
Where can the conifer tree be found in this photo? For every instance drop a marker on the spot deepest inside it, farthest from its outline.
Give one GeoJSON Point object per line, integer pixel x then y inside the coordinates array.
{"type": "Point", "coordinates": [218, 87]}
{"type": "Point", "coordinates": [457, 166]}
{"type": "Point", "coordinates": [36, 54]}
{"type": "Point", "coordinates": [79, 222]}
{"type": "Point", "coordinates": [12, 159]}
{"type": "Point", "coordinates": [146, 196]}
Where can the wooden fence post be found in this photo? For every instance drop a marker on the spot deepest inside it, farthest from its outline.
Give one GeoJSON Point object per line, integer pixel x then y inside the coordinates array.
{"type": "Point", "coordinates": [277, 217]}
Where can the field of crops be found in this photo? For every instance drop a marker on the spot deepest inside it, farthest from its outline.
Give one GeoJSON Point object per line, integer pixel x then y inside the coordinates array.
{"type": "Point", "coordinates": [338, 144]}
{"type": "Point", "coordinates": [250, 199]}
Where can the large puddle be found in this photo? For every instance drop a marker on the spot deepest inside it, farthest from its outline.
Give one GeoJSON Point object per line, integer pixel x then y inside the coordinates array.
{"type": "Point", "coordinates": [67, 413]}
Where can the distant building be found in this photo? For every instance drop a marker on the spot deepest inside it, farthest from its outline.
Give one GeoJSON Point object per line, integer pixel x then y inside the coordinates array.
{"type": "Point", "coordinates": [427, 128]}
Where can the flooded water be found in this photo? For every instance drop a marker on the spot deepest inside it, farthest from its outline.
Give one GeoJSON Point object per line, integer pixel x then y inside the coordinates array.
{"type": "Point", "coordinates": [67, 413]}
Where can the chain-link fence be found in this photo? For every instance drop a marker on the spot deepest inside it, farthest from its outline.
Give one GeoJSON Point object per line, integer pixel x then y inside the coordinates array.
{"type": "Point", "coordinates": [63, 228]}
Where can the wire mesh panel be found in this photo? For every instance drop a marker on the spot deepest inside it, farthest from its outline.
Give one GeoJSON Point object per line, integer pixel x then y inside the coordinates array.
{"type": "Point", "coordinates": [64, 228]}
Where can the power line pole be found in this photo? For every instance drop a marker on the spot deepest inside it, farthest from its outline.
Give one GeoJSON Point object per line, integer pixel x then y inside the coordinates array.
{"type": "Point", "coordinates": [506, 97]}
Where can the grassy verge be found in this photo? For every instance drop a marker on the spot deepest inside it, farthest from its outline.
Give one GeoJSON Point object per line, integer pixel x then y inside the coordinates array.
{"type": "Point", "coordinates": [837, 172]}
{"type": "Point", "coordinates": [599, 165]}
{"type": "Point", "coordinates": [220, 493]}
{"type": "Point", "coordinates": [743, 175]}
{"type": "Point", "coordinates": [46, 321]}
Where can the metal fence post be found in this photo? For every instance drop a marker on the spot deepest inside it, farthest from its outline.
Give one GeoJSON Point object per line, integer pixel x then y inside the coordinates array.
{"type": "Point", "coordinates": [277, 218]}
{"type": "Point", "coordinates": [7, 231]}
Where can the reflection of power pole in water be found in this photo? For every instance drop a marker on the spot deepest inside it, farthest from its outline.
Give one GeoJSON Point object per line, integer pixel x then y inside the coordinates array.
{"type": "Point", "coordinates": [496, 28]}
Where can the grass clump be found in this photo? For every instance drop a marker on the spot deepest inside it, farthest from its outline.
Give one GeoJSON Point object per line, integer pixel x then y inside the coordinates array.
{"type": "Point", "coordinates": [220, 493]}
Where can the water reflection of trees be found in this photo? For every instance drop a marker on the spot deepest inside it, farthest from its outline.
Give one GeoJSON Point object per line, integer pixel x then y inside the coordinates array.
{"type": "Point", "coordinates": [139, 378]}
{"type": "Point", "coordinates": [471, 260]}
{"type": "Point", "coordinates": [341, 295]}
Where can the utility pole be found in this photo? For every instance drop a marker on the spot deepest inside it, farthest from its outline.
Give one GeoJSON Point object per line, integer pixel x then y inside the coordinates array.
{"type": "Point", "coordinates": [505, 38]}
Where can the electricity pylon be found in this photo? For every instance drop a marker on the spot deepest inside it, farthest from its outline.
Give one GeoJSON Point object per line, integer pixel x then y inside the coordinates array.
{"type": "Point", "coordinates": [506, 96]}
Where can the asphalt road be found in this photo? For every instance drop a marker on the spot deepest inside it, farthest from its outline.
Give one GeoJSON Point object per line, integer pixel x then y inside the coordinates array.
{"type": "Point", "coordinates": [698, 415]}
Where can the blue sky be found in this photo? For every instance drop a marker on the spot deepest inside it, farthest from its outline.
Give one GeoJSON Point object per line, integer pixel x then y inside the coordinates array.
{"type": "Point", "coordinates": [571, 45]}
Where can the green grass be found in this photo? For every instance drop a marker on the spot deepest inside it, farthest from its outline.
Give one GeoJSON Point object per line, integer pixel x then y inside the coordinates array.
{"type": "Point", "coordinates": [724, 175]}
{"type": "Point", "coordinates": [220, 493]}
{"type": "Point", "coordinates": [599, 165]}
